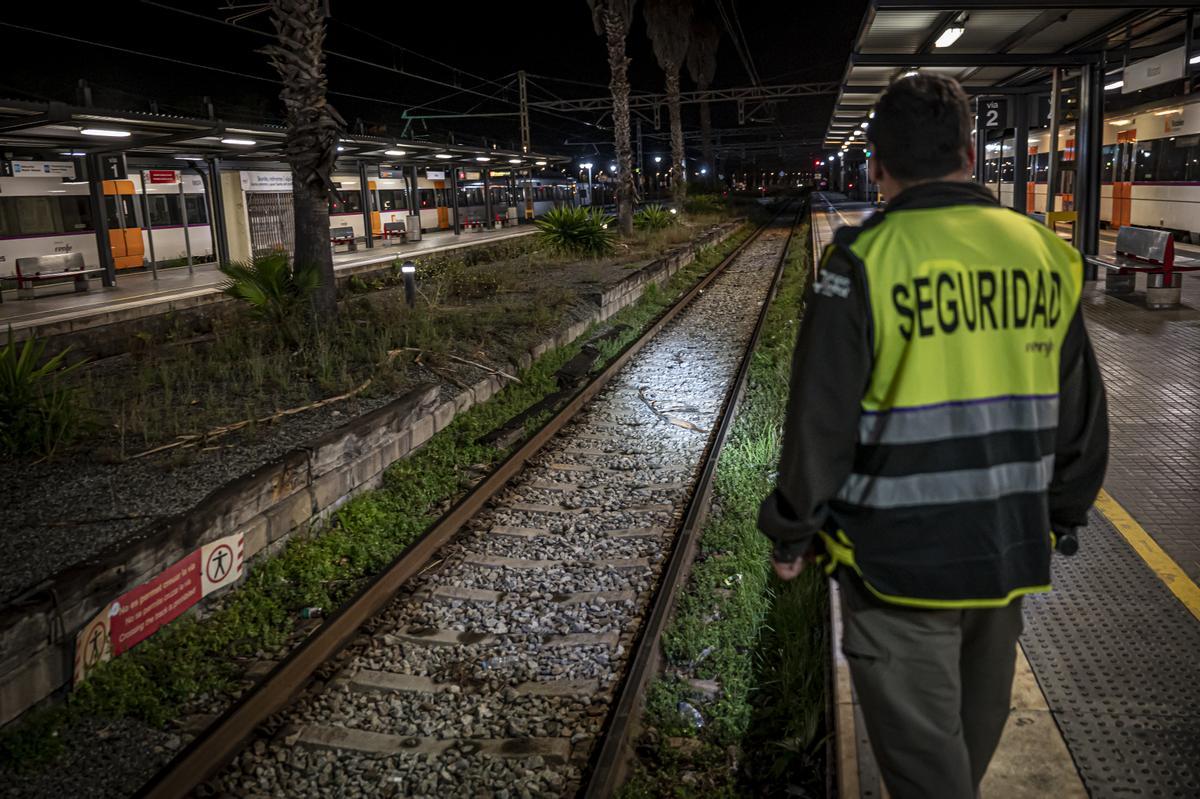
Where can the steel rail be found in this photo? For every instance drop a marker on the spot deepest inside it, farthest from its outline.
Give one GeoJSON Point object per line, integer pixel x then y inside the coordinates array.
{"type": "Point", "coordinates": [609, 764]}
{"type": "Point", "coordinates": [224, 738]}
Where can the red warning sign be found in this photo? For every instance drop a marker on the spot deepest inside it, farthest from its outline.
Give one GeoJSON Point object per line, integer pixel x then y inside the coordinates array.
{"type": "Point", "coordinates": [140, 612]}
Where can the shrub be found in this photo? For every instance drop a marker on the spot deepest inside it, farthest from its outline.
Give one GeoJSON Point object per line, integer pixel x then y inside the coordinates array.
{"type": "Point", "coordinates": [37, 413]}
{"type": "Point", "coordinates": [577, 231]}
{"type": "Point", "coordinates": [703, 204]}
{"type": "Point", "coordinates": [654, 217]}
{"type": "Point", "coordinates": [275, 290]}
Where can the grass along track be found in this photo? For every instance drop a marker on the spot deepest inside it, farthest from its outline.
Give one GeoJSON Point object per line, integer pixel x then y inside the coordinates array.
{"type": "Point", "coordinates": [739, 709]}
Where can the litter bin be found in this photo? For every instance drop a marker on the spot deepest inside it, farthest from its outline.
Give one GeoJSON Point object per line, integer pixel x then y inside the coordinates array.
{"type": "Point", "coordinates": [412, 224]}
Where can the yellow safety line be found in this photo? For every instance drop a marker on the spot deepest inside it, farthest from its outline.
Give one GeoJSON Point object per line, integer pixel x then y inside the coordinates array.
{"type": "Point", "coordinates": [1159, 561]}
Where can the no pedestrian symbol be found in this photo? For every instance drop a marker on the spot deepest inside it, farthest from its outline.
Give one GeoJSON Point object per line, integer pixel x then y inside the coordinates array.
{"type": "Point", "coordinates": [94, 646]}
{"type": "Point", "coordinates": [220, 561]}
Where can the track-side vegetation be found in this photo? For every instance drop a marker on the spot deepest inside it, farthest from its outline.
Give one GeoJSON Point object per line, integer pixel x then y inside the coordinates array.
{"type": "Point", "coordinates": [38, 413]}
{"type": "Point", "coordinates": [740, 708]}
{"type": "Point", "coordinates": [196, 658]}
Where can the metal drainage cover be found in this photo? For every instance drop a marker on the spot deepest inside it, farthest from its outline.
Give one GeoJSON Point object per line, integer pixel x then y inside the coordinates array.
{"type": "Point", "coordinates": [1118, 658]}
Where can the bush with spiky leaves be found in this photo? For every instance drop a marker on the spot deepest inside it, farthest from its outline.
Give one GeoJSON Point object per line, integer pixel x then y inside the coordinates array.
{"type": "Point", "coordinates": [277, 292]}
{"type": "Point", "coordinates": [654, 217]}
{"type": "Point", "coordinates": [704, 204]}
{"type": "Point", "coordinates": [577, 231]}
{"type": "Point", "coordinates": [37, 413]}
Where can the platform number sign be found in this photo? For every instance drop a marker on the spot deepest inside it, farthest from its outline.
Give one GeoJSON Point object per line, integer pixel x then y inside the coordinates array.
{"type": "Point", "coordinates": [993, 113]}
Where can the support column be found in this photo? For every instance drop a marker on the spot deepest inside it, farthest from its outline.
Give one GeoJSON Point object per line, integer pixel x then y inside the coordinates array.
{"type": "Point", "coordinates": [414, 200]}
{"type": "Point", "coordinates": [1088, 143]}
{"type": "Point", "coordinates": [95, 175]}
{"type": "Point", "coordinates": [217, 221]}
{"type": "Point", "coordinates": [980, 145]}
{"type": "Point", "coordinates": [1020, 154]}
{"type": "Point", "coordinates": [457, 223]}
{"type": "Point", "coordinates": [1052, 171]}
{"type": "Point", "coordinates": [487, 198]}
{"type": "Point", "coordinates": [148, 224]}
{"type": "Point", "coordinates": [364, 200]}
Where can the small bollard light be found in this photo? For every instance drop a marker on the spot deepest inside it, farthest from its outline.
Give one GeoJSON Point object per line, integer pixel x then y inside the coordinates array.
{"type": "Point", "coordinates": [409, 270]}
{"type": "Point", "coordinates": [674, 211]}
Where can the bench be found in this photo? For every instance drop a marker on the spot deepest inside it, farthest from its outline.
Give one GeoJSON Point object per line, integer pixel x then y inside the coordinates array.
{"type": "Point", "coordinates": [342, 235]}
{"type": "Point", "coordinates": [394, 230]}
{"type": "Point", "coordinates": [1141, 249]}
{"type": "Point", "coordinates": [60, 266]}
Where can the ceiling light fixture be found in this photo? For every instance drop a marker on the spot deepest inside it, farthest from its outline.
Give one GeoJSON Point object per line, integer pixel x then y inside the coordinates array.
{"type": "Point", "coordinates": [443, 155]}
{"type": "Point", "coordinates": [241, 142]}
{"type": "Point", "coordinates": [114, 134]}
{"type": "Point", "coordinates": [482, 158]}
{"type": "Point", "coordinates": [950, 35]}
{"type": "Point", "coordinates": [1116, 84]}
{"type": "Point", "coordinates": [1121, 122]}
{"type": "Point", "coordinates": [395, 152]}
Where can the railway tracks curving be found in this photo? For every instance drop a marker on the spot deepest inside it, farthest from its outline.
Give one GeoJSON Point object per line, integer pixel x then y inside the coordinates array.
{"type": "Point", "coordinates": [504, 654]}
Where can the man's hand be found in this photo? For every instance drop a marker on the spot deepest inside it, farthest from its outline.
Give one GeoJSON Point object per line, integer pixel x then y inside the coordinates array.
{"type": "Point", "coordinates": [789, 570]}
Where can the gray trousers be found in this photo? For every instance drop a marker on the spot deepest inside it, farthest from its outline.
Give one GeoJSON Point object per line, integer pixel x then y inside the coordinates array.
{"type": "Point", "coordinates": [935, 688]}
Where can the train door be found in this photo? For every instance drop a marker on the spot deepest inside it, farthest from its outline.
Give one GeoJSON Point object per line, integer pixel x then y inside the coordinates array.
{"type": "Point", "coordinates": [443, 213]}
{"type": "Point", "coordinates": [124, 232]}
{"type": "Point", "coordinates": [376, 225]}
{"type": "Point", "coordinates": [1122, 202]}
{"type": "Point", "coordinates": [1031, 181]}
{"type": "Point", "coordinates": [1066, 178]}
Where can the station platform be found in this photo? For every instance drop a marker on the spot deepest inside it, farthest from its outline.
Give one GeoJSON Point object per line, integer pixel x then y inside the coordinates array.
{"type": "Point", "coordinates": [138, 294]}
{"type": "Point", "coordinates": [1112, 655]}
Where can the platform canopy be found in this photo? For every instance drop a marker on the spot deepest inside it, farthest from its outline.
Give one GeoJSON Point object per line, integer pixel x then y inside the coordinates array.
{"type": "Point", "coordinates": [995, 47]}
{"type": "Point", "coordinates": [56, 130]}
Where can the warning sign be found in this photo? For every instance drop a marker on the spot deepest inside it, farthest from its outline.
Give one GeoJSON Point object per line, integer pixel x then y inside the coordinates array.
{"type": "Point", "coordinates": [140, 612]}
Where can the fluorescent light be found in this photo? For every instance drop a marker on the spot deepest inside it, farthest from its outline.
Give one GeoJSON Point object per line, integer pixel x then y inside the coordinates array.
{"type": "Point", "coordinates": [243, 142]}
{"type": "Point", "coordinates": [115, 134]}
{"type": "Point", "coordinates": [1116, 84]}
{"type": "Point", "coordinates": [189, 158]}
{"type": "Point", "coordinates": [340, 148]}
{"type": "Point", "coordinates": [863, 126]}
{"type": "Point", "coordinates": [394, 152]}
{"type": "Point", "coordinates": [58, 191]}
{"type": "Point", "coordinates": [443, 155]}
{"type": "Point", "coordinates": [73, 154]}
{"type": "Point", "coordinates": [871, 115]}
{"type": "Point", "coordinates": [1194, 59]}
{"type": "Point", "coordinates": [1168, 111]}
{"type": "Point", "coordinates": [482, 158]}
{"type": "Point", "coordinates": [1121, 122]}
{"type": "Point", "coordinates": [909, 74]}
{"type": "Point", "coordinates": [585, 166]}
{"type": "Point", "coordinates": [541, 163]}
{"type": "Point", "coordinates": [514, 160]}
{"type": "Point", "coordinates": [949, 36]}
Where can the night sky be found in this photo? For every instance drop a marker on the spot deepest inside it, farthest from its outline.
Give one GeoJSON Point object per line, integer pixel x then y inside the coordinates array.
{"type": "Point", "coordinates": [555, 43]}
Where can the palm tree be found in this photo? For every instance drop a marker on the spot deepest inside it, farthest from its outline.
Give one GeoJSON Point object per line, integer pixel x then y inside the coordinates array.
{"type": "Point", "coordinates": [313, 127]}
{"type": "Point", "coordinates": [668, 23]}
{"type": "Point", "coordinates": [702, 66]}
{"type": "Point", "coordinates": [612, 19]}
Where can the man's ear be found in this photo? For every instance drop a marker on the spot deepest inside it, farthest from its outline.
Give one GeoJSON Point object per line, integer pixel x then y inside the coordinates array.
{"type": "Point", "coordinates": [876, 170]}
{"type": "Point", "coordinates": [970, 159]}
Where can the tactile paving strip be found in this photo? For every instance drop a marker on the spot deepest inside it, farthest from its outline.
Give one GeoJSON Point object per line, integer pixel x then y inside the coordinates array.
{"type": "Point", "coordinates": [1118, 658]}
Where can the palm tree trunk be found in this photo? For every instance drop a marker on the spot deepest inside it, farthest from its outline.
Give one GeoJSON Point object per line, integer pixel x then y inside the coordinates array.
{"type": "Point", "coordinates": [312, 135]}
{"type": "Point", "coordinates": [618, 64]}
{"type": "Point", "coordinates": [678, 168]}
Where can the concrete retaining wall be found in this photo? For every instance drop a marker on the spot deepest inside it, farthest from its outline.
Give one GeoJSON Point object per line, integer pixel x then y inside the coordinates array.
{"type": "Point", "coordinates": [38, 630]}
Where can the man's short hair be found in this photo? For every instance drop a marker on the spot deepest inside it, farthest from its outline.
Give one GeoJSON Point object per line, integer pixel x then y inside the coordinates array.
{"type": "Point", "coordinates": [922, 128]}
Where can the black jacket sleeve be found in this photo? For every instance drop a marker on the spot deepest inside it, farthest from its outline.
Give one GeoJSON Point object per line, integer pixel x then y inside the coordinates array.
{"type": "Point", "coordinates": [831, 368]}
{"type": "Point", "coordinates": [1081, 452]}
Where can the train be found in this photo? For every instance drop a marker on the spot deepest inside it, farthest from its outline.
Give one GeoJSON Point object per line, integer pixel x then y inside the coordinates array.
{"type": "Point", "coordinates": [1150, 168]}
{"type": "Point", "coordinates": [166, 212]}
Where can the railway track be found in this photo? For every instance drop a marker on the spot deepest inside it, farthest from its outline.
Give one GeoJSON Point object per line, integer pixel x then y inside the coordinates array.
{"type": "Point", "coordinates": [492, 658]}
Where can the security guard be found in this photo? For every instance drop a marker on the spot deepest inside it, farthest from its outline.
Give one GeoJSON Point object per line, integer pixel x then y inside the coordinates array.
{"type": "Point", "coordinates": [946, 428]}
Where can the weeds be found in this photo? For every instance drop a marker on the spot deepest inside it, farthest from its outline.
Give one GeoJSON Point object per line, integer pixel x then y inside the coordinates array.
{"type": "Point", "coordinates": [37, 413]}
{"type": "Point", "coordinates": [654, 217]}
{"type": "Point", "coordinates": [276, 292]}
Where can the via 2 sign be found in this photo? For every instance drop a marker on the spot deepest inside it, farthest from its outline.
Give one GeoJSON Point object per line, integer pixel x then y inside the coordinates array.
{"type": "Point", "coordinates": [993, 112]}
